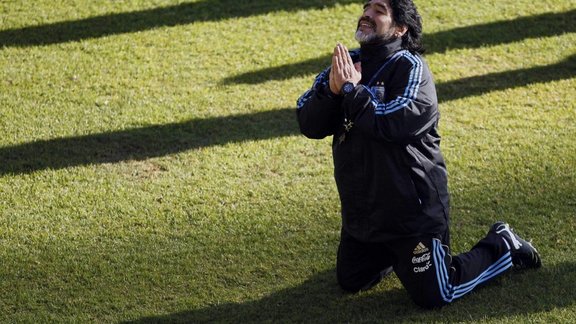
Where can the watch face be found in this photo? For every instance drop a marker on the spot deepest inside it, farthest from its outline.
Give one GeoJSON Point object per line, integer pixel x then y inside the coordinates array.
{"type": "Point", "coordinates": [347, 87]}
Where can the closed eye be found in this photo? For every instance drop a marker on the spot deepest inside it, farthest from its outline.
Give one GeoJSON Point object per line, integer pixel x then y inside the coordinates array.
{"type": "Point", "coordinates": [380, 8]}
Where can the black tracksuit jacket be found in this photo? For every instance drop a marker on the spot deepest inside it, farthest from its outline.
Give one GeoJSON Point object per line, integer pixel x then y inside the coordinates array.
{"type": "Point", "coordinates": [388, 167]}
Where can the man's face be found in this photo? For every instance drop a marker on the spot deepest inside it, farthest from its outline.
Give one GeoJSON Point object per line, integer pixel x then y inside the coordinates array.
{"type": "Point", "coordinates": [376, 22]}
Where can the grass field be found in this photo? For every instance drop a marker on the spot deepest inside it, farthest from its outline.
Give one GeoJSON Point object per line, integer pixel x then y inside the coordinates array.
{"type": "Point", "coordinates": [151, 168]}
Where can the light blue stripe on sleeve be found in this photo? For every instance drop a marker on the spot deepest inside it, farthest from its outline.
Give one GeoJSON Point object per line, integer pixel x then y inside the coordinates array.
{"type": "Point", "coordinates": [410, 92]}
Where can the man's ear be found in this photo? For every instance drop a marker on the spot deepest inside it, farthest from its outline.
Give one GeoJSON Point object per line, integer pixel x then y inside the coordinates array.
{"type": "Point", "coordinates": [400, 31]}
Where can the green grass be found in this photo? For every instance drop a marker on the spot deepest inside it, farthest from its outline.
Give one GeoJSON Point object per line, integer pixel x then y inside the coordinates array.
{"type": "Point", "coordinates": [151, 167]}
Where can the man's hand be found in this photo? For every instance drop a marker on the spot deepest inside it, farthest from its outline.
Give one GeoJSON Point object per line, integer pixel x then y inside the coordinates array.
{"type": "Point", "coordinates": [343, 69]}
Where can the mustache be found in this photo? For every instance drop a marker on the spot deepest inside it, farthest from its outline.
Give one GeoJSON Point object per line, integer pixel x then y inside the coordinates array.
{"type": "Point", "coordinates": [368, 20]}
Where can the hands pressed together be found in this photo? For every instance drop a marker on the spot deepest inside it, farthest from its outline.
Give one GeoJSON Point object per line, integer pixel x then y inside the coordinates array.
{"type": "Point", "coordinates": [343, 69]}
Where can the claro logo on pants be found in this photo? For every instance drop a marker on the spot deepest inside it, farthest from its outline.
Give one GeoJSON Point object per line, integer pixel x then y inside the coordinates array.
{"type": "Point", "coordinates": [424, 268]}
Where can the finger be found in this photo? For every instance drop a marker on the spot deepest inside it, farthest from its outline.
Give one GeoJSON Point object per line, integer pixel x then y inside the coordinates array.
{"type": "Point", "coordinates": [343, 50]}
{"type": "Point", "coordinates": [358, 66]}
{"type": "Point", "coordinates": [347, 63]}
{"type": "Point", "coordinates": [332, 69]}
{"type": "Point", "coordinates": [334, 60]}
{"type": "Point", "coordinates": [335, 53]}
{"type": "Point", "coordinates": [348, 57]}
{"type": "Point", "coordinates": [343, 60]}
{"type": "Point", "coordinates": [335, 63]}
{"type": "Point", "coordinates": [345, 55]}
{"type": "Point", "coordinates": [338, 64]}
{"type": "Point", "coordinates": [342, 53]}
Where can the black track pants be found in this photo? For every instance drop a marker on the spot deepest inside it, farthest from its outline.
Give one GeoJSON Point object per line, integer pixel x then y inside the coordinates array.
{"type": "Point", "coordinates": [429, 273]}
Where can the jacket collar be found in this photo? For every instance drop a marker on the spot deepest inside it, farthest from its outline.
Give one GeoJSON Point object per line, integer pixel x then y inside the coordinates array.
{"type": "Point", "coordinates": [379, 51]}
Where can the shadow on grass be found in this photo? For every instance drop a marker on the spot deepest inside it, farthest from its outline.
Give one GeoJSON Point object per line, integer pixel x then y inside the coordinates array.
{"type": "Point", "coordinates": [161, 140]}
{"type": "Point", "coordinates": [128, 22]}
{"type": "Point", "coordinates": [496, 33]}
{"type": "Point", "coordinates": [478, 85]}
{"type": "Point", "coordinates": [146, 142]}
{"type": "Point", "coordinates": [319, 300]}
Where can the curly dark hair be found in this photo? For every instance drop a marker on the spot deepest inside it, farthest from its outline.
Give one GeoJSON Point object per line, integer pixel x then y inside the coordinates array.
{"type": "Point", "coordinates": [404, 13]}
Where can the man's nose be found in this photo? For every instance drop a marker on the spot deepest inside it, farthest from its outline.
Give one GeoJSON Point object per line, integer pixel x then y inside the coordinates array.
{"type": "Point", "coordinates": [366, 17]}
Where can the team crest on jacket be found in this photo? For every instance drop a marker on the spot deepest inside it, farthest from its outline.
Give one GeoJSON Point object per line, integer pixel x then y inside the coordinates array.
{"type": "Point", "coordinates": [379, 91]}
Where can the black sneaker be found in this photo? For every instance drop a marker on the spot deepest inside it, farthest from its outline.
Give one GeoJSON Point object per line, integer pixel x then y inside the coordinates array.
{"type": "Point", "coordinates": [524, 255]}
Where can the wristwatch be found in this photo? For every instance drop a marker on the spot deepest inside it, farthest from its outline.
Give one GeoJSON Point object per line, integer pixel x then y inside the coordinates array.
{"type": "Point", "coordinates": [347, 87]}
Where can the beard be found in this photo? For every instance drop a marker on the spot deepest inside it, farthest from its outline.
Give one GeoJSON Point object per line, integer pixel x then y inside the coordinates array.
{"type": "Point", "coordinates": [371, 37]}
